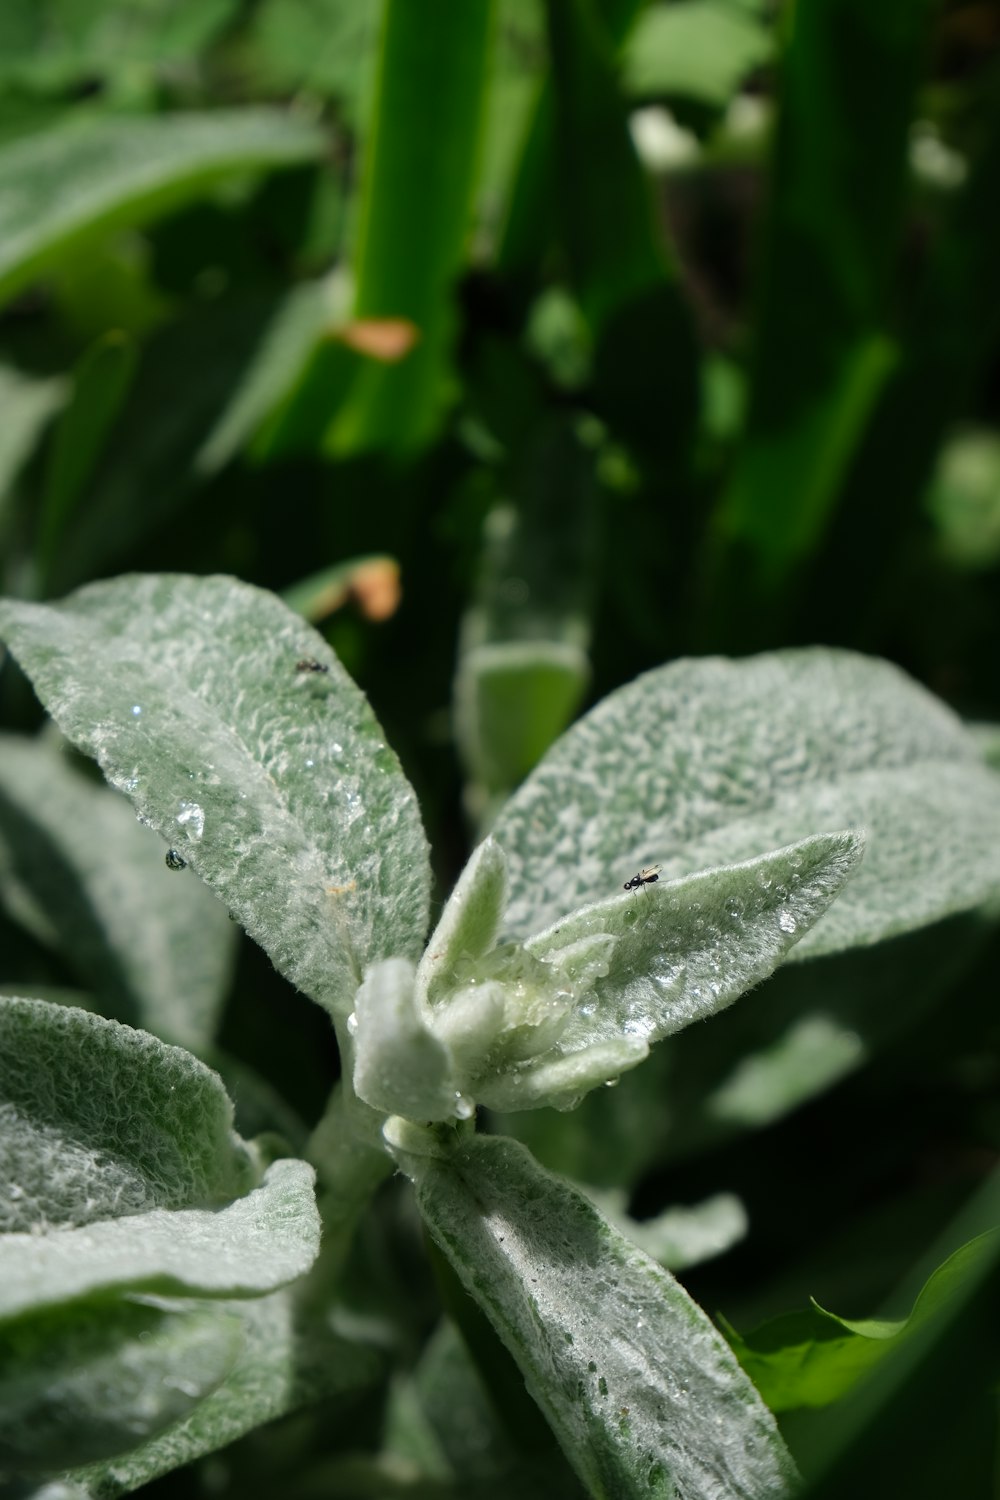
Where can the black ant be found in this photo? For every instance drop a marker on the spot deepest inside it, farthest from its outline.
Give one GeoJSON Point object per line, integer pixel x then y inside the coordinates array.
{"type": "Point", "coordinates": [645, 877]}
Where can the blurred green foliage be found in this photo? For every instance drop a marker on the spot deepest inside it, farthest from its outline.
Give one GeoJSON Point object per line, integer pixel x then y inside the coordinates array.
{"type": "Point", "coordinates": [628, 330]}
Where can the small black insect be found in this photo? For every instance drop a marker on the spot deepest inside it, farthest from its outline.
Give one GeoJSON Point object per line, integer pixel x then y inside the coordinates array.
{"type": "Point", "coordinates": [174, 861]}
{"type": "Point", "coordinates": [644, 877]}
{"type": "Point", "coordinates": [310, 664]}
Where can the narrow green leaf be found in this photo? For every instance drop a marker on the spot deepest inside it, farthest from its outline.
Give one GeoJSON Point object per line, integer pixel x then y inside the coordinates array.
{"type": "Point", "coordinates": [416, 192]}
{"type": "Point", "coordinates": [101, 1120]}
{"type": "Point", "coordinates": [27, 404]}
{"type": "Point", "coordinates": [284, 350]}
{"type": "Point", "coordinates": [623, 271]}
{"type": "Point", "coordinates": [65, 185]}
{"type": "Point", "coordinates": [848, 83]}
{"type": "Point", "coordinates": [708, 761]}
{"type": "Point", "coordinates": [241, 739]}
{"type": "Point", "coordinates": [641, 1391]}
{"type": "Point", "coordinates": [100, 384]}
{"type": "Point", "coordinates": [83, 876]}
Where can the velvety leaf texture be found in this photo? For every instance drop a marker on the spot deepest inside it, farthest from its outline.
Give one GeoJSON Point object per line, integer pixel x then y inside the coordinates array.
{"type": "Point", "coordinates": [98, 1120]}
{"type": "Point", "coordinates": [85, 877]}
{"type": "Point", "coordinates": [710, 761]}
{"type": "Point", "coordinates": [689, 948]}
{"type": "Point", "coordinates": [252, 1246]}
{"type": "Point", "coordinates": [282, 1365]}
{"type": "Point", "coordinates": [237, 734]}
{"type": "Point", "coordinates": [57, 1373]}
{"type": "Point", "coordinates": [642, 1392]}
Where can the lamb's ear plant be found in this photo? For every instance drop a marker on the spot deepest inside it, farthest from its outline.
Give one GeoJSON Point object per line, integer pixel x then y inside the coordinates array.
{"type": "Point", "coordinates": [242, 741]}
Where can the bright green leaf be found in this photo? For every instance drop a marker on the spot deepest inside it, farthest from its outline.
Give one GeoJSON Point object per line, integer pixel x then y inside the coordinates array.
{"type": "Point", "coordinates": [813, 1358]}
{"type": "Point", "coordinates": [238, 735]}
{"type": "Point", "coordinates": [416, 190]}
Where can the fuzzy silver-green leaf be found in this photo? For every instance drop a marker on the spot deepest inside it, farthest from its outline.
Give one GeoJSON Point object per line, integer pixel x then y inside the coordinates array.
{"type": "Point", "coordinates": [239, 736]}
{"type": "Point", "coordinates": [642, 1392]}
{"type": "Point", "coordinates": [710, 761]}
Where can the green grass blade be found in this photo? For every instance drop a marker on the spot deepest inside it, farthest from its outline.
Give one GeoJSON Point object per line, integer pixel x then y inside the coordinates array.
{"type": "Point", "coordinates": [822, 356]}
{"type": "Point", "coordinates": [414, 220]}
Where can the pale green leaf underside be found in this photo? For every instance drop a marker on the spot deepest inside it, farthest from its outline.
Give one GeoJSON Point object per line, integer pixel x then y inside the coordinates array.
{"type": "Point", "coordinates": [85, 877]}
{"type": "Point", "coordinates": [248, 1248]}
{"type": "Point", "coordinates": [283, 1365]}
{"type": "Point", "coordinates": [642, 1392]}
{"type": "Point", "coordinates": [98, 1120]}
{"type": "Point", "coordinates": [64, 183]}
{"type": "Point", "coordinates": [275, 784]}
{"type": "Point", "coordinates": [678, 1237]}
{"type": "Point", "coordinates": [704, 762]}
{"type": "Point", "coordinates": [94, 1380]}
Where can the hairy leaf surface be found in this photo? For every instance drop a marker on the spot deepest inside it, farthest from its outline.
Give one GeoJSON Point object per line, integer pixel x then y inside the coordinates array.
{"type": "Point", "coordinates": [82, 875]}
{"type": "Point", "coordinates": [705, 762]}
{"type": "Point", "coordinates": [241, 739]}
{"type": "Point", "coordinates": [642, 1392]}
